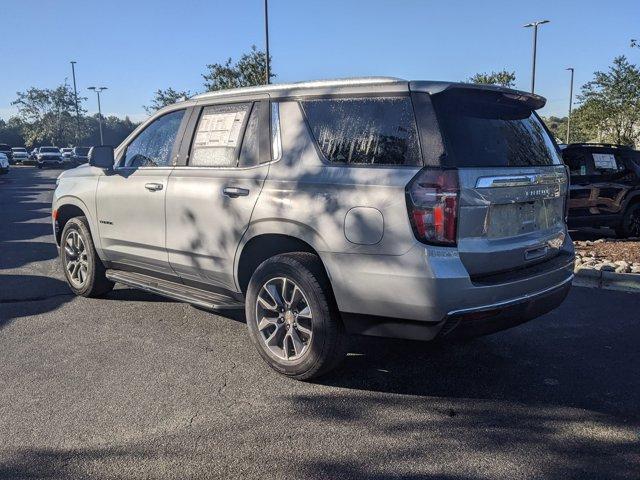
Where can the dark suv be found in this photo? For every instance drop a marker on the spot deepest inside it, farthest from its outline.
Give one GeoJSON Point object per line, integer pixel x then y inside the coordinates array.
{"type": "Point", "coordinates": [605, 187]}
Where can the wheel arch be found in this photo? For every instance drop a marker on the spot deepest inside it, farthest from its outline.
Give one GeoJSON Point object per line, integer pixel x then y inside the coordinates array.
{"type": "Point", "coordinates": [262, 244]}
{"type": "Point", "coordinates": [632, 199]}
{"type": "Point", "coordinates": [68, 207]}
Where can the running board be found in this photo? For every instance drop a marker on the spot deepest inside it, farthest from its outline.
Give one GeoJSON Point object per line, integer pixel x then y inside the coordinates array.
{"type": "Point", "coordinates": [177, 291]}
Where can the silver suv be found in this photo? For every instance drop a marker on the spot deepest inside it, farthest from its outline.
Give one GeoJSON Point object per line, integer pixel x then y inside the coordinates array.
{"type": "Point", "coordinates": [375, 206]}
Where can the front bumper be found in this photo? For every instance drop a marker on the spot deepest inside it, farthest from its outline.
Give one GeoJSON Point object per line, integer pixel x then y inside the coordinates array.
{"type": "Point", "coordinates": [43, 161]}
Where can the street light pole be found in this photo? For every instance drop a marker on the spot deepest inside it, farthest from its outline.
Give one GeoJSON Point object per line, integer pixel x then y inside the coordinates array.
{"type": "Point", "coordinates": [535, 48]}
{"type": "Point", "coordinates": [98, 90]}
{"type": "Point", "coordinates": [266, 33]}
{"type": "Point", "coordinates": [75, 95]}
{"type": "Point", "coordinates": [570, 105]}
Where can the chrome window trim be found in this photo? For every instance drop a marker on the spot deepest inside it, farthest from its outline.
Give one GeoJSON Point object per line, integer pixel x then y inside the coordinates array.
{"type": "Point", "coordinates": [520, 180]}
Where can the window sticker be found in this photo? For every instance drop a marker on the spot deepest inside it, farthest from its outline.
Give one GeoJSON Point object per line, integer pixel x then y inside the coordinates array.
{"type": "Point", "coordinates": [218, 135]}
{"type": "Point", "coordinates": [219, 129]}
{"type": "Point", "coordinates": [604, 161]}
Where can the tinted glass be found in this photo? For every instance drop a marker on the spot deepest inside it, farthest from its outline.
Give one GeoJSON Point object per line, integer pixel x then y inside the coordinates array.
{"type": "Point", "coordinates": [249, 154]}
{"type": "Point", "coordinates": [49, 150]}
{"type": "Point", "coordinates": [81, 150]}
{"type": "Point", "coordinates": [218, 135]}
{"type": "Point", "coordinates": [379, 131]}
{"type": "Point", "coordinates": [153, 146]}
{"type": "Point", "coordinates": [487, 129]}
{"type": "Point", "coordinates": [576, 161]}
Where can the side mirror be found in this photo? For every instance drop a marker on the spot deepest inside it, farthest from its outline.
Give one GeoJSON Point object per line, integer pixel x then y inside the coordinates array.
{"type": "Point", "coordinates": [102, 157]}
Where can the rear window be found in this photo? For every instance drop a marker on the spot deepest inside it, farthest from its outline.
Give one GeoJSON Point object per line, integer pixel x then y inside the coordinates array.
{"type": "Point", "coordinates": [486, 129]}
{"type": "Point", "coordinates": [49, 150]}
{"type": "Point", "coordinates": [82, 150]}
{"type": "Point", "coordinates": [371, 131]}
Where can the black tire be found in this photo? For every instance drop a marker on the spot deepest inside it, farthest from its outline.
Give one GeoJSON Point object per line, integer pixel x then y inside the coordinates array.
{"type": "Point", "coordinates": [327, 345]}
{"type": "Point", "coordinates": [95, 282]}
{"type": "Point", "coordinates": [630, 224]}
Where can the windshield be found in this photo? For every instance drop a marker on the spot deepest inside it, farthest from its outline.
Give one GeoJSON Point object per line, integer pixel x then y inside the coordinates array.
{"type": "Point", "coordinates": [486, 129]}
{"type": "Point", "coordinates": [81, 150]}
{"type": "Point", "coordinates": [49, 150]}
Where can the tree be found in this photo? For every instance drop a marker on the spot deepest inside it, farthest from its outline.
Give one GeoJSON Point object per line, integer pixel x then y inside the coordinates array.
{"type": "Point", "coordinates": [558, 127]}
{"type": "Point", "coordinates": [502, 78]}
{"type": "Point", "coordinates": [250, 70]}
{"type": "Point", "coordinates": [48, 115]}
{"type": "Point", "coordinates": [162, 98]}
{"type": "Point", "coordinates": [610, 104]}
{"type": "Point", "coordinates": [11, 132]}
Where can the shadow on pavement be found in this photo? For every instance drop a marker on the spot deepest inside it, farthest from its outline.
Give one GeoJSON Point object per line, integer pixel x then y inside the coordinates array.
{"type": "Point", "coordinates": [17, 254]}
{"type": "Point", "coordinates": [584, 354]}
{"type": "Point", "coordinates": [25, 295]}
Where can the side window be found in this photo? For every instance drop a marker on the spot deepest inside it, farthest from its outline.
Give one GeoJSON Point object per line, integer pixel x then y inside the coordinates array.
{"type": "Point", "coordinates": [153, 146]}
{"type": "Point", "coordinates": [249, 153]}
{"type": "Point", "coordinates": [378, 131]}
{"type": "Point", "coordinates": [218, 136]}
{"type": "Point", "coordinates": [605, 164]}
{"type": "Point", "coordinates": [577, 163]}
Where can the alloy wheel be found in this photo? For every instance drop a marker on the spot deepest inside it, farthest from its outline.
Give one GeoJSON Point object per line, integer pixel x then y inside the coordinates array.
{"type": "Point", "coordinates": [284, 318]}
{"type": "Point", "coordinates": [76, 261]}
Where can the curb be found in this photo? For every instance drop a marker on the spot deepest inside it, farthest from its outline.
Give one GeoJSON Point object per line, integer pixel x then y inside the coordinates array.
{"type": "Point", "coordinates": [625, 282]}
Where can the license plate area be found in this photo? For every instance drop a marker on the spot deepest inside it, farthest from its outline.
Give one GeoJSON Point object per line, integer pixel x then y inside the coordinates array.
{"type": "Point", "coordinates": [513, 219]}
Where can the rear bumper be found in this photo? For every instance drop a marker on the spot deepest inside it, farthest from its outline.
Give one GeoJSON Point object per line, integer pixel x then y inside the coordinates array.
{"type": "Point", "coordinates": [467, 323]}
{"type": "Point", "coordinates": [428, 288]}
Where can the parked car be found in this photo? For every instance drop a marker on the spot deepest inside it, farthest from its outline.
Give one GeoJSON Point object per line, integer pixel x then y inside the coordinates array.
{"type": "Point", "coordinates": [6, 149]}
{"type": "Point", "coordinates": [4, 164]}
{"type": "Point", "coordinates": [20, 154]}
{"type": "Point", "coordinates": [79, 155]}
{"type": "Point", "coordinates": [605, 187]}
{"type": "Point", "coordinates": [377, 206]}
{"type": "Point", "coordinates": [48, 156]}
{"type": "Point", "coordinates": [32, 158]}
{"type": "Point", "coordinates": [66, 153]}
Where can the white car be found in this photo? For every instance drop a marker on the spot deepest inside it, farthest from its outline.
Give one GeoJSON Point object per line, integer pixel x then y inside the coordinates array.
{"type": "Point", "coordinates": [20, 154]}
{"type": "Point", "coordinates": [66, 153]}
{"type": "Point", "coordinates": [48, 156]}
{"type": "Point", "coordinates": [4, 164]}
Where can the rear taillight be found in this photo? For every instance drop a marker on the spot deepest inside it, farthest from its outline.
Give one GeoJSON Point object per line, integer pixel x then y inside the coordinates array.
{"type": "Point", "coordinates": [432, 201]}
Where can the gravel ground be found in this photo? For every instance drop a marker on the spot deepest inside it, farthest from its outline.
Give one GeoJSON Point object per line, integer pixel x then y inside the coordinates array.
{"type": "Point", "coordinates": [136, 386]}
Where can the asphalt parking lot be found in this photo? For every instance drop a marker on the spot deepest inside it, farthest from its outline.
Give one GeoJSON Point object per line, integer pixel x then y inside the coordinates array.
{"type": "Point", "coordinates": [137, 386]}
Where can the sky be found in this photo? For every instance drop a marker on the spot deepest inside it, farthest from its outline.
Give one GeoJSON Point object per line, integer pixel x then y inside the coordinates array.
{"type": "Point", "coordinates": [135, 47]}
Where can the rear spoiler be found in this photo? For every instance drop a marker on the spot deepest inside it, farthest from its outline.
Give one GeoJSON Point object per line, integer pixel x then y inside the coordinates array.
{"type": "Point", "coordinates": [533, 101]}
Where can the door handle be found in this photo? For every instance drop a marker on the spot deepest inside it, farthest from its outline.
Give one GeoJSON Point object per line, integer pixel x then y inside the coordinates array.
{"type": "Point", "coordinates": [234, 192]}
{"type": "Point", "coordinates": [153, 187]}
